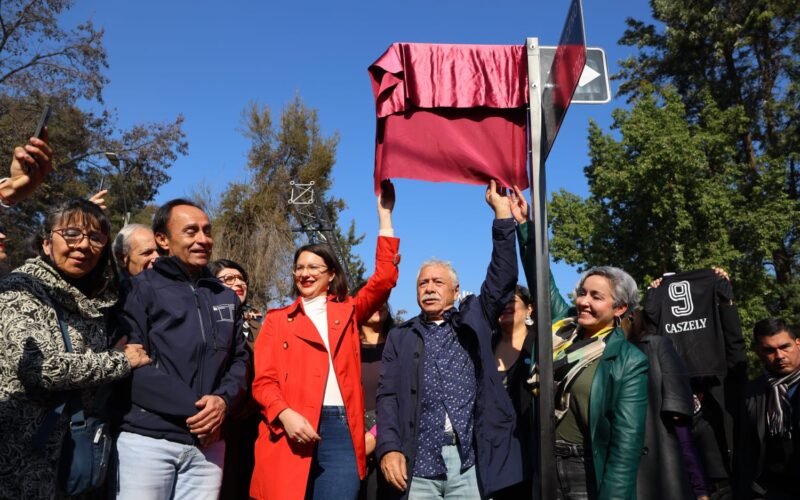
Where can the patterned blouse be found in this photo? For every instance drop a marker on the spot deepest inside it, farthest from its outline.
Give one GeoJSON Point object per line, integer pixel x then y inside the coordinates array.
{"type": "Point", "coordinates": [35, 370]}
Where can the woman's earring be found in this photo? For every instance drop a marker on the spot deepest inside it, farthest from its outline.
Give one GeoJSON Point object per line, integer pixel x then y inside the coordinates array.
{"type": "Point", "coordinates": [528, 321]}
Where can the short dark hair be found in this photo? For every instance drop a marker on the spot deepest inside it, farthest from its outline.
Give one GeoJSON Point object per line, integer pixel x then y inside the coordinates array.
{"type": "Point", "coordinates": [164, 212]}
{"type": "Point", "coordinates": [769, 327]}
{"type": "Point", "coordinates": [162, 215]}
{"type": "Point", "coordinates": [220, 264]}
{"type": "Point", "coordinates": [338, 286]}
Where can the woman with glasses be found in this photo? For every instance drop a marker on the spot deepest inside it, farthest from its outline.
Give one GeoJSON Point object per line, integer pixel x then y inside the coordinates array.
{"type": "Point", "coordinates": [231, 275]}
{"type": "Point", "coordinates": [241, 432]}
{"type": "Point", "coordinates": [68, 284]}
{"type": "Point", "coordinates": [308, 375]}
{"type": "Point", "coordinates": [235, 277]}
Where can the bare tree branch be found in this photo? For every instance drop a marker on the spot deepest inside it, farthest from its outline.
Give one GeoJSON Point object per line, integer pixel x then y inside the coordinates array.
{"type": "Point", "coordinates": [33, 62]}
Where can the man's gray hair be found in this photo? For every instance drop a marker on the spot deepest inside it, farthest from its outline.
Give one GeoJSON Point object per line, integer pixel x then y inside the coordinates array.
{"type": "Point", "coordinates": [623, 286]}
{"type": "Point", "coordinates": [443, 263]}
{"type": "Point", "coordinates": [122, 244]}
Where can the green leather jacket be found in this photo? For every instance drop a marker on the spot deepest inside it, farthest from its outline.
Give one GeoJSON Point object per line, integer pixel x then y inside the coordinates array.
{"type": "Point", "coordinates": [617, 402]}
{"type": "Point", "coordinates": [617, 411]}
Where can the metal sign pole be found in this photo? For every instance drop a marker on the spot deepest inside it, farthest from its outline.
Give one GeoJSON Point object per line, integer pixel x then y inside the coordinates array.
{"type": "Point", "coordinates": [543, 418]}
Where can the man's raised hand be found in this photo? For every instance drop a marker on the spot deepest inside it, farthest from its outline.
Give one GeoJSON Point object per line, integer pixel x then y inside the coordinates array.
{"type": "Point", "coordinates": [497, 198]}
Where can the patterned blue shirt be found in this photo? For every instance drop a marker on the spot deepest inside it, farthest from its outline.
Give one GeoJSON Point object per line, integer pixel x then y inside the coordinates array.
{"type": "Point", "coordinates": [449, 387]}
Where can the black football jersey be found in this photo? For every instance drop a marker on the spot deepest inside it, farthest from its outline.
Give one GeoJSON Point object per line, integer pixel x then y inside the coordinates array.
{"type": "Point", "coordinates": [686, 309]}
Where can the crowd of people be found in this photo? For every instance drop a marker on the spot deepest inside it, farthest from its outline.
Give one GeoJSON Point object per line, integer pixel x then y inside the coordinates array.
{"type": "Point", "coordinates": [329, 398]}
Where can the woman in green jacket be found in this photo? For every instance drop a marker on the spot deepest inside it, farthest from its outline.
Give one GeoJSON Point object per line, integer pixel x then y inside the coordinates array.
{"type": "Point", "coordinates": [600, 381]}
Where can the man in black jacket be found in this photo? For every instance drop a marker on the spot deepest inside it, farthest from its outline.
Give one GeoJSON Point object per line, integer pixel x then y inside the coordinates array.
{"type": "Point", "coordinates": [767, 452]}
{"type": "Point", "coordinates": [446, 426]}
{"type": "Point", "coordinates": [189, 322]}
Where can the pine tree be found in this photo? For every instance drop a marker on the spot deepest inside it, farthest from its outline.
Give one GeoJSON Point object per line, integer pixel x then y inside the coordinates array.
{"type": "Point", "coordinates": [255, 223]}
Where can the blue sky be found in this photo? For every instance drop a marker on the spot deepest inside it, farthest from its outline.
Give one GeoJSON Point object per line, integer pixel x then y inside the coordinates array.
{"type": "Point", "coordinates": [207, 60]}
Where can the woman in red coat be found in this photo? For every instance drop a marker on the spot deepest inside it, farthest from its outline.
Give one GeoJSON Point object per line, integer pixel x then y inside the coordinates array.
{"type": "Point", "coordinates": [308, 375]}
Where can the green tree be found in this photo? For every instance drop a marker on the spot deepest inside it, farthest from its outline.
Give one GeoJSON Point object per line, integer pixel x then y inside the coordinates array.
{"type": "Point", "coordinates": [704, 167]}
{"type": "Point", "coordinates": [42, 62]}
{"type": "Point", "coordinates": [255, 214]}
{"type": "Point", "coordinates": [666, 196]}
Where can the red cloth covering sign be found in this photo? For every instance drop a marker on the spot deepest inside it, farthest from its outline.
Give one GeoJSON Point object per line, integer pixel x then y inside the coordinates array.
{"type": "Point", "coordinates": [451, 113]}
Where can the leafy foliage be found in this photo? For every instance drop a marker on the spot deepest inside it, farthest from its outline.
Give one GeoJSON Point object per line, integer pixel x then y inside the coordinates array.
{"type": "Point", "coordinates": [703, 169]}
{"type": "Point", "coordinates": [42, 63]}
{"type": "Point", "coordinates": [255, 214]}
{"type": "Point", "coordinates": [666, 196]}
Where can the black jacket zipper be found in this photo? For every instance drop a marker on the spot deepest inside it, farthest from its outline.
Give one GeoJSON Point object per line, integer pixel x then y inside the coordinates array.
{"type": "Point", "coordinates": [203, 334]}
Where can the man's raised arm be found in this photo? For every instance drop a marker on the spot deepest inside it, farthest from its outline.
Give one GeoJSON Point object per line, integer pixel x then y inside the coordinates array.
{"type": "Point", "coordinates": [501, 277]}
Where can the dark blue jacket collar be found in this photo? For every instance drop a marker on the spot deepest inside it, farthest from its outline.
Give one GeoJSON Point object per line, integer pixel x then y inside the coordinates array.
{"type": "Point", "coordinates": [171, 267]}
{"type": "Point", "coordinates": [451, 316]}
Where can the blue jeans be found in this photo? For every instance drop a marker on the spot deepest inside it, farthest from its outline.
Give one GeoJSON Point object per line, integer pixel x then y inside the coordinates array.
{"type": "Point", "coordinates": [334, 471]}
{"type": "Point", "coordinates": [456, 486]}
{"type": "Point", "coordinates": [159, 469]}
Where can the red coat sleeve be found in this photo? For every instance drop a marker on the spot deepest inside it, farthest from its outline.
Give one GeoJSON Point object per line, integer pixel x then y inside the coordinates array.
{"type": "Point", "coordinates": [376, 292]}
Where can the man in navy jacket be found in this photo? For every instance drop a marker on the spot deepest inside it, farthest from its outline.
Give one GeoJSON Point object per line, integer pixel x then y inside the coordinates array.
{"type": "Point", "coordinates": [446, 425]}
{"type": "Point", "coordinates": [190, 325]}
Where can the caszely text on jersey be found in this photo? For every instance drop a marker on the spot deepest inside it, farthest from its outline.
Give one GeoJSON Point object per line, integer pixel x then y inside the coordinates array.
{"type": "Point", "coordinates": [686, 326]}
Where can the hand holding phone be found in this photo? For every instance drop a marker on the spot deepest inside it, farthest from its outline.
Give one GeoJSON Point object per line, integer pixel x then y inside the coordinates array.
{"type": "Point", "coordinates": [43, 119]}
{"type": "Point", "coordinates": [30, 164]}
{"type": "Point", "coordinates": [39, 132]}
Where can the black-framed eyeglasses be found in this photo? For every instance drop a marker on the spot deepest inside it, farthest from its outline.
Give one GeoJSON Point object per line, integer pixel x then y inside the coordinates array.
{"type": "Point", "coordinates": [313, 270]}
{"type": "Point", "coordinates": [230, 279]}
{"type": "Point", "coordinates": [73, 236]}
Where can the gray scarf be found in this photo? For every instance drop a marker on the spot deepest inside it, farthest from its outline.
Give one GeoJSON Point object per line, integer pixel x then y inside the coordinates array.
{"type": "Point", "coordinates": [779, 408]}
